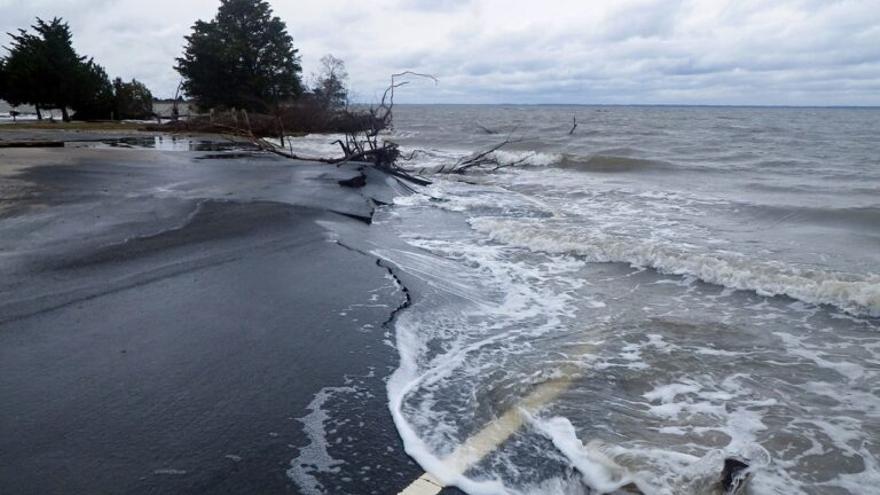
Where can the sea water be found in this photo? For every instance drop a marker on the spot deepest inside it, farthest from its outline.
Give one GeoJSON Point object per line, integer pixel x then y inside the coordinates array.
{"type": "Point", "coordinates": [643, 295]}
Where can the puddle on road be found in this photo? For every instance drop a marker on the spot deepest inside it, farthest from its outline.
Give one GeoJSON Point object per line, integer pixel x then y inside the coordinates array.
{"type": "Point", "coordinates": [166, 143]}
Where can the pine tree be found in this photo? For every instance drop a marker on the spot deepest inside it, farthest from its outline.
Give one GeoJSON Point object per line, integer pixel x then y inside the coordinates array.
{"type": "Point", "coordinates": [93, 93]}
{"type": "Point", "coordinates": [243, 58]}
{"type": "Point", "coordinates": [132, 100]}
{"type": "Point", "coordinates": [43, 69]}
{"type": "Point", "coordinates": [23, 67]}
{"type": "Point", "coordinates": [3, 79]}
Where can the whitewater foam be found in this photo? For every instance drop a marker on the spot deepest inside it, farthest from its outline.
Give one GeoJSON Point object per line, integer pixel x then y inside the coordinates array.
{"type": "Point", "coordinates": [859, 294]}
{"type": "Point", "coordinates": [564, 273]}
{"type": "Point", "coordinates": [314, 457]}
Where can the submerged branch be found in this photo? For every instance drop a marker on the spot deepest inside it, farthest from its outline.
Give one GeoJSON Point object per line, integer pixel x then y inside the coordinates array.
{"type": "Point", "coordinates": [486, 159]}
{"type": "Point", "coordinates": [485, 129]}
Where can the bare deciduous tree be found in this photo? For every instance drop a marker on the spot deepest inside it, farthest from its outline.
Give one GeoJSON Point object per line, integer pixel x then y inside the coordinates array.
{"type": "Point", "coordinates": [331, 83]}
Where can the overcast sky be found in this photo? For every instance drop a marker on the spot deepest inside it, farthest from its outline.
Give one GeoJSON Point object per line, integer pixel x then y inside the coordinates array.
{"type": "Point", "coordinates": [806, 52]}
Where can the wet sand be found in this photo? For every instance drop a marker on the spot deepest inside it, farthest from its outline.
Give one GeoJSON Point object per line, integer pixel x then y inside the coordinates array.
{"type": "Point", "coordinates": [165, 319]}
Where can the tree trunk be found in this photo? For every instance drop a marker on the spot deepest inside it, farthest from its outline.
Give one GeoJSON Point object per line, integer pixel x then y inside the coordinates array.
{"type": "Point", "coordinates": [64, 116]}
{"type": "Point", "coordinates": [39, 114]}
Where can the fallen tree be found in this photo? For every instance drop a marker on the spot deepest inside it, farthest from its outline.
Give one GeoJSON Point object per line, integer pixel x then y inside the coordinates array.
{"type": "Point", "coordinates": [362, 141]}
{"type": "Point", "coordinates": [487, 159]}
{"type": "Point", "coordinates": [362, 134]}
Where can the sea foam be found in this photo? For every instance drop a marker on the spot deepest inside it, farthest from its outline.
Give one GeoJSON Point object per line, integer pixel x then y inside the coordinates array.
{"type": "Point", "coordinates": [858, 294]}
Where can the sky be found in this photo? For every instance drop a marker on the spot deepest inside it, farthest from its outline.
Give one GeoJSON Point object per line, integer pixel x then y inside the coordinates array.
{"type": "Point", "coordinates": [724, 52]}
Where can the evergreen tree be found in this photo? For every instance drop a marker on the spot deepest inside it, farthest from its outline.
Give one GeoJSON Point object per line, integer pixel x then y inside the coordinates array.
{"type": "Point", "coordinates": [3, 76]}
{"type": "Point", "coordinates": [23, 65]}
{"type": "Point", "coordinates": [92, 93]}
{"type": "Point", "coordinates": [43, 69]}
{"type": "Point", "coordinates": [243, 58]}
{"type": "Point", "coordinates": [60, 81]}
{"type": "Point", "coordinates": [132, 100]}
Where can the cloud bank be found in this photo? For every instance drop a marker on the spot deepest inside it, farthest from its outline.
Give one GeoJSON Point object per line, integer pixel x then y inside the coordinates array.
{"type": "Point", "coordinates": [787, 52]}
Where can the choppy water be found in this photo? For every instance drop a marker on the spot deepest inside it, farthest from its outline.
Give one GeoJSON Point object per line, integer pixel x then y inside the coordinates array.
{"type": "Point", "coordinates": [658, 290]}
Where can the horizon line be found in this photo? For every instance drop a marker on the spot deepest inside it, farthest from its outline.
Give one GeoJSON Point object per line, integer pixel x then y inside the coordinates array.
{"type": "Point", "coordinates": [737, 105]}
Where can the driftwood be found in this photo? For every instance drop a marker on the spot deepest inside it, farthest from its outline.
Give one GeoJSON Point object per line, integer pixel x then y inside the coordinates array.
{"type": "Point", "coordinates": [361, 143]}
{"type": "Point", "coordinates": [733, 479]}
{"type": "Point", "coordinates": [486, 159]}
{"type": "Point", "coordinates": [365, 156]}
{"type": "Point", "coordinates": [485, 129]}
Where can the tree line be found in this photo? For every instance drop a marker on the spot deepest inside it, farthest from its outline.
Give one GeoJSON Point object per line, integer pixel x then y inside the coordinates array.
{"type": "Point", "coordinates": [42, 69]}
{"type": "Point", "coordinates": [242, 59]}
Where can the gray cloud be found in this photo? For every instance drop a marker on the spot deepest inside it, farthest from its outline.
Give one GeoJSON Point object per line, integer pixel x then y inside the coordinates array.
{"type": "Point", "coordinates": [625, 51]}
{"type": "Point", "coordinates": [433, 5]}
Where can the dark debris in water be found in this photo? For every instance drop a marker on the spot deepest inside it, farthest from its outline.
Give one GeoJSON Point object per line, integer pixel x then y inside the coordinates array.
{"type": "Point", "coordinates": [734, 476]}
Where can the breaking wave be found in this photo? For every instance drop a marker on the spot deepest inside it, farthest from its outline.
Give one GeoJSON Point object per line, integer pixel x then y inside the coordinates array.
{"type": "Point", "coordinates": [643, 379]}
{"type": "Point", "coordinates": [857, 294]}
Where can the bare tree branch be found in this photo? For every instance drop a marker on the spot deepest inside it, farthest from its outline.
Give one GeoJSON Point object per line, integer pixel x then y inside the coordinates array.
{"type": "Point", "coordinates": [486, 129]}
{"type": "Point", "coordinates": [484, 159]}
{"type": "Point", "coordinates": [360, 143]}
